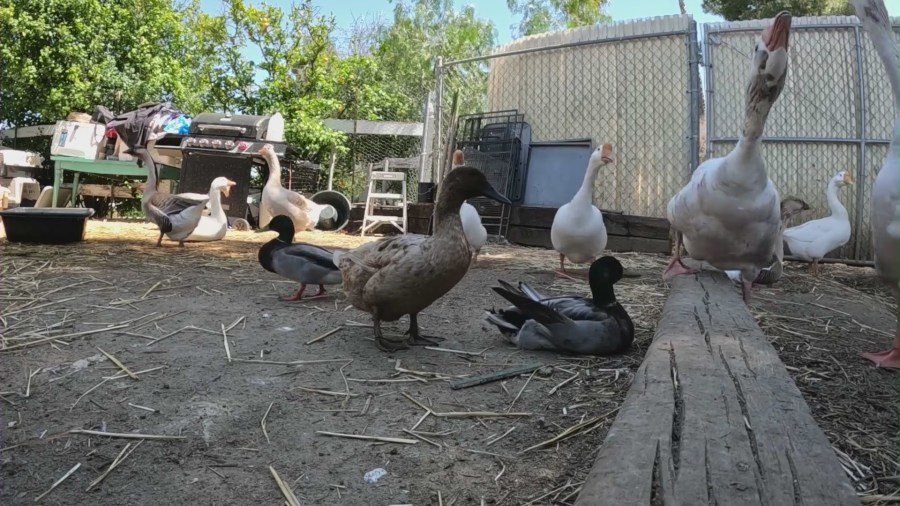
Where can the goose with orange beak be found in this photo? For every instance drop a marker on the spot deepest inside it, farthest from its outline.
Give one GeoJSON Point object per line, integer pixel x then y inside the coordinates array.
{"type": "Point", "coordinates": [214, 226]}
{"type": "Point", "coordinates": [729, 213]}
{"type": "Point", "coordinates": [578, 232]}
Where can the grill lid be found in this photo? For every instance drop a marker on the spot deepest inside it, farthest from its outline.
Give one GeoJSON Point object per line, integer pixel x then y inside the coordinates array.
{"type": "Point", "coordinates": [242, 126]}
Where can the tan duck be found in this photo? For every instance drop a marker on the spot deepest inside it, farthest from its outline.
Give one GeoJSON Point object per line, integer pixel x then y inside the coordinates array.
{"type": "Point", "coordinates": [176, 217]}
{"type": "Point", "coordinates": [404, 274]}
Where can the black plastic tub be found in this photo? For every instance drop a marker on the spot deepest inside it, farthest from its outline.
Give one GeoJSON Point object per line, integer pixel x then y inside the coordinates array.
{"type": "Point", "coordinates": [46, 225]}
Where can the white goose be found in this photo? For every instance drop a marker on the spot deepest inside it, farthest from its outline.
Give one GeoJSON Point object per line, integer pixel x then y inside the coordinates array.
{"type": "Point", "coordinates": [475, 232]}
{"type": "Point", "coordinates": [729, 214]}
{"type": "Point", "coordinates": [214, 226]}
{"type": "Point", "coordinates": [277, 200]}
{"type": "Point", "coordinates": [814, 239]}
{"type": "Point", "coordinates": [578, 232]}
{"type": "Point", "coordinates": [175, 216]}
{"type": "Point", "coordinates": [886, 190]}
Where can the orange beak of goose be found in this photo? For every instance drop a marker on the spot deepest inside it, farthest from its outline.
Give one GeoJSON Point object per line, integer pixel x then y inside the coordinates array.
{"type": "Point", "coordinates": [606, 153]}
{"type": "Point", "coordinates": [227, 189]}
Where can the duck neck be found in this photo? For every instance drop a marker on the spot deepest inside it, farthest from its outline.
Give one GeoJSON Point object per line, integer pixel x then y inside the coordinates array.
{"type": "Point", "coordinates": [215, 205]}
{"type": "Point", "coordinates": [834, 204]}
{"type": "Point", "coordinates": [447, 221]}
{"type": "Point", "coordinates": [877, 24]}
{"type": "Point", "coordinates": [150, 187]}
{"type": "Point", "coordinates": [274, 171]}
{"type": "Point", "coordinates": [603, 294]}
{"type": "Point", "coordinates": [585, 195]}
{"type": "Point", "coordinates": [748, 165]}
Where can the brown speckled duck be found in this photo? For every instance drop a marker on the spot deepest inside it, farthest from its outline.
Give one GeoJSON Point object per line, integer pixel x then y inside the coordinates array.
{"type": "Point", "coordinates": [405, 274]}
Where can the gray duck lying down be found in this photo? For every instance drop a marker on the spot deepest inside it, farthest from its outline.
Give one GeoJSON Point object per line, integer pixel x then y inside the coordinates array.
{"type": "Point", "coordinates": [596, 325]}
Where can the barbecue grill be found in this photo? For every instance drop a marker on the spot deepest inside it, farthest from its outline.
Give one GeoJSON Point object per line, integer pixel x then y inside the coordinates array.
{"type": "Point", "coordinates": [228, 145]}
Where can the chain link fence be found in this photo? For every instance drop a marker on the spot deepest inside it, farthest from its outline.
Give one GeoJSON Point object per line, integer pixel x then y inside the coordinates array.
{"type": "Point", "coordinates": [632, 84]}
{"type": "Point", "coordinates": [833, 114]}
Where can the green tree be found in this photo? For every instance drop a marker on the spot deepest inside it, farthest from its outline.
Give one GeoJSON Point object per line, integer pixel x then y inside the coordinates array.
{"type": "Point", "coordinates": [539, 16]}
{"type": "Point", "coordinates": [734, 10]}
{"type": "Point", "coordinates": [423, 30]}
{"type": "Point", "coordinates": [58, 56]}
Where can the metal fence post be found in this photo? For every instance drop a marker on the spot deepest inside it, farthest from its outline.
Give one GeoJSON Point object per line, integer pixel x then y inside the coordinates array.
{"type": "Point", "coordinates": [708, 70]}
{"type": "Point", "coordinates": [861, 170]}
{"type": "Point", "coordinates": [693, 51]}
{"type": "Point", "coordinates": [438, 113]}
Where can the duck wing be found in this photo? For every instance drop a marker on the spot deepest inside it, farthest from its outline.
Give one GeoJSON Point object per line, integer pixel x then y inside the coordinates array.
{"type": "Point", "coordinates": [306, 263]}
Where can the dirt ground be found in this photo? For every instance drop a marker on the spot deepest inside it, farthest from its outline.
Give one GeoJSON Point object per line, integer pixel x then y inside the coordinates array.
{"type": "Point", "coordinates": [118, 278]}
{"type": "Point", "coordinates": [262, 410]}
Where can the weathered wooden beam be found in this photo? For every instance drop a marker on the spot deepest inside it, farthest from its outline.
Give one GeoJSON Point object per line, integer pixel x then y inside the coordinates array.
{"type": "Point", "coordinates": [713, 416]}
{"type": "Point", "coordinates": [616, 223]}
{"type": "Point", "coordinates": [540, 237]}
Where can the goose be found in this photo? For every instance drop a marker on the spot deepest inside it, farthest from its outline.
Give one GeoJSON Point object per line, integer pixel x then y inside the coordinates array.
{"type": "Point", "coordinates": [304, 263]}
{"type": "Point", "coordinates": [790, 207]}
{"type": "Point", "coordinates": [886, 189]}
{"type": "Point", "coordinates": [276, 199]}
{"type": "Point", "coordinates": [214, 226]}
{"type": "Point", "coordinates": [475, 232]}
{"type": "Point", "coordinates": [404, 274]}
{"type": "Point", "coordinates": [578, 232]}
{"type": "Point", "coordinates": [814, 239]}
{"type": "Point", "coordinates": [596, 325]}
{"type": "Point", "coordinates": [176, 217]}
{"type": "Point", "coordinates": [728, 214]}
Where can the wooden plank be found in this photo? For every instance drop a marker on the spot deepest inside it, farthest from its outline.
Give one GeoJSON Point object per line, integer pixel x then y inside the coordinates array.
{"type": "Point", "coordinates": [105, 190]}
{"type": "Point", "coordinates": [616, 223]}
{"type": "Point", "coordinates": [29, 131]}
{"type": "Point", "coordinates": [713, 417]}
{"type": "Point", "coordinates": [529, 236]}
{"type": "Point", "coordinates": [620, 243]}
{"type": "Point", "coordinates": [540, 237]}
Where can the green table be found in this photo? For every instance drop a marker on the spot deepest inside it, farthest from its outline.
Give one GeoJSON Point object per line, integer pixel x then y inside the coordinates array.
{"type": "Point", "coordinates": [106, 167]}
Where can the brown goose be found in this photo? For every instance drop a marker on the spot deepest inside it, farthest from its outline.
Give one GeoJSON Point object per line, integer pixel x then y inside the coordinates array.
{"type": "Point", "coordinates": [175, 216]}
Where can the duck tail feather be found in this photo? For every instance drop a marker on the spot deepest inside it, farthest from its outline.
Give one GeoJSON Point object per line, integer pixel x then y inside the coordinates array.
{"type": "Point", "coordinates": [499, 322]}
{"type": "Point", "coordinates": [530, 292]}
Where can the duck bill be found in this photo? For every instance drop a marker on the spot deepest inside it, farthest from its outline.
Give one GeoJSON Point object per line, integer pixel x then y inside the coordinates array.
{"type": "Point", "coordinates": [776, 35]}
{"type": "Point", "coordinates": [848, 178]}
{"type": "Point", "coordinates": [493, 194]}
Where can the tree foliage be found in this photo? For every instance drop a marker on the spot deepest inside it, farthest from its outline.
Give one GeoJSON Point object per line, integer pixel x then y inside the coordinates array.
{"type": "Point", "coordinates": [734, 10]}
{"type": "Point", "coordinates": [539, 16]}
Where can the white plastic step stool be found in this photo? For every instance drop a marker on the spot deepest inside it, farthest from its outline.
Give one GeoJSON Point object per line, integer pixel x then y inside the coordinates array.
{"type": "Point", "coordinates": [380, 194]}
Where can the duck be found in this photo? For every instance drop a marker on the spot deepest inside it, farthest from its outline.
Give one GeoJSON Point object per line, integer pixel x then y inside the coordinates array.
{"type": "Point", "coordinates": [790, 207]}
{"type": "Point", "coordinates": [214, 226]}
{"type": "Point", "coordinates": [304, 263]}
{"type": "Point", "coordinates": [276, 199]}
{"type": "Point", "coordinates": [814, 239]}
{"type": "Point", "coordinates": [176, 217]}
{"type": "Point", "coordinates": [596, 325]}
{"type": "Point", "coordinates": [885, 199]}
{"type": "Point", "coordinates": [578, 232]}
{"type": "Point", "coordinates": [404, 274]}
{"type": "Point", "coordinates": [729, 213]}
{"type": "Point", "coordinates": [475, 232]}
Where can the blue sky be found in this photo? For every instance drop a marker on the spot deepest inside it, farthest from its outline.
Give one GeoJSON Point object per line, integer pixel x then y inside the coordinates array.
{"type": "Point", "coordinates": [346, 11]}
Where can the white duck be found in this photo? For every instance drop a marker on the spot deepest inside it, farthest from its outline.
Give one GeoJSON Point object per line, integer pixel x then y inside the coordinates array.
{"type": "Point", "coordinates": [175, 216]}
{"type": "Point", "coordinates": [578, 232]}
{"type": "Point", "coordinates": [214, 226]}
{"type": "Point", "coordinates": [814, 239]}
{"type": "Point", "coordinates": [277, 200]}
{"type": "Point", "coordinates": [729, 213]}
{"type": "Point", "coordinates": [886, 189]}
{"type": "Point", "coordinates": [475, 232]}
